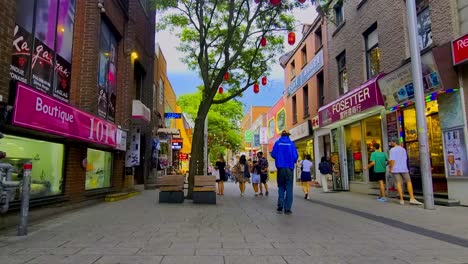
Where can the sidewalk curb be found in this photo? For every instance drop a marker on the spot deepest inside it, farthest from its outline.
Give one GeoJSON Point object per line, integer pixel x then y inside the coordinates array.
{"type": "Point", "coordinates": [120, 196]}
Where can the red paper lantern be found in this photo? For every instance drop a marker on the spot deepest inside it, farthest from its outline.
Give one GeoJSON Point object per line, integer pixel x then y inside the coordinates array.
{"type": "Point", "coordinates": [291, 38]}
{"type": "Point", "coordinates": [220, 90]}
{"type": "Point", "coordinates": [256, 88]}
{"type": "Point", "coordinates": [257, 1]}
{"type": "Point", "coordinates": [264, 80]}
{"type": "Point", "coordinates": [226, 76]}
{"type": "Point", "coordinates": [301, 1]}
{"type": "Point", "coordinates": [275, 2]}
{"type": "Point", "coordinates": [263, 42]}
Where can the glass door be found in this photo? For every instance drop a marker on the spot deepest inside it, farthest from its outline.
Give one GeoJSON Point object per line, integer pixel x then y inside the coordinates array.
{"type": "Point", "coordinates": [353, 135]}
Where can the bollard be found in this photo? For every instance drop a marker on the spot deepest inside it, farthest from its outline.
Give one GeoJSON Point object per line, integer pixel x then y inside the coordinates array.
{"type": "Point", "coordinates": [23, 225]}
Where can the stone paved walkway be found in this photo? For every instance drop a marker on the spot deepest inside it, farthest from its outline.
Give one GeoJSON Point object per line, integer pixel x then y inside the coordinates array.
{"type": "Point", "coordinates": [330, 228]}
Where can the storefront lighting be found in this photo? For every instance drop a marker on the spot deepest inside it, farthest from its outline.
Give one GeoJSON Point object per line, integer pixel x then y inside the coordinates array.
{"type": "Point", "coordinates": [134, 55]}
{"type": "Point", "coordinates": [429, 98]}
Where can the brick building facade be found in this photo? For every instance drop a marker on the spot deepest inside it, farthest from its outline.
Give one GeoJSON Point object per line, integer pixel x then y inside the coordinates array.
{"type": "Point", "coordinates": [371, 97]}
{"type": "Point", "coordinates": [111, 55]}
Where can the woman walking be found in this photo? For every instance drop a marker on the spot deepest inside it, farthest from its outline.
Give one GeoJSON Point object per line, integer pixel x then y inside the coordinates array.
{"type": "Point", "coordinates": [240, 171]}
{"type": "Point", "coordinates": [220, 166]}
{"type": "Point", "coordinates": [306, 178]}
{"type": "Point", "coordinates": [256, 170]}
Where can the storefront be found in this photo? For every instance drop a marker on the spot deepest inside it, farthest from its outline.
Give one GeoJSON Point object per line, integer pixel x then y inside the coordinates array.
{"type": "Point", "coordinates": [304, 141]}
{"type": "Point", "coordinates": [42, 131]}
{"type": "Point", "coordinates": [444, 117]}
{"type": "Point", "coordinates": [355, 123]}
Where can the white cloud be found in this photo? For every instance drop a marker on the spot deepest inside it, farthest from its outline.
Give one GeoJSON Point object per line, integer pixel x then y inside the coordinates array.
{"type": "Point", "coordinates": [168, 42]}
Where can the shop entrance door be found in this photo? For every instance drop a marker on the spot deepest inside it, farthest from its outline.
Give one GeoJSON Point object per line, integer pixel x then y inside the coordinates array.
{"type": "Point", "coordinates": [338, 159]}
{"type": "Point", "coordinates": [354, 155]}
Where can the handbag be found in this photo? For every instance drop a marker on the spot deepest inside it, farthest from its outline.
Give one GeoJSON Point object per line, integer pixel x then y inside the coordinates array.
{"type": "Point", "coordinates": [216, 173]}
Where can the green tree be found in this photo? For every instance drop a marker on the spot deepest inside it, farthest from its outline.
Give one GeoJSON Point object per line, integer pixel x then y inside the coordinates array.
{"type": "Point", "coordinates": [219, 36]}
{"type": "Point", "coordinates": [223, 122]}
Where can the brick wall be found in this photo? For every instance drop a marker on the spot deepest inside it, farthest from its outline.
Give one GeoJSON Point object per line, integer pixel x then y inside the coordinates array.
{"type": "Point", "coordinates": [7, 23]}
{"type": "Point", "coordinates": [75, 174]}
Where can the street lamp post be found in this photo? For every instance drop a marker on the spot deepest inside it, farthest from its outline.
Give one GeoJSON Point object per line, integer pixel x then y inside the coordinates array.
{"type": "Point", "coordinates": [426, 173]}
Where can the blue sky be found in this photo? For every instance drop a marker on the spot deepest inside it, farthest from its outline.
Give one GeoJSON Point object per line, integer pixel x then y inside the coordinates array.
{"type": "Point", "coordinates": [185, 81]}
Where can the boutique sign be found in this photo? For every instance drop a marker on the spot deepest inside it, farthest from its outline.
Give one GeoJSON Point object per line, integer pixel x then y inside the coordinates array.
{"type": "Point", "coordinates": [40, 112]}
{"type": "Point", "coordinates": [358, 100]}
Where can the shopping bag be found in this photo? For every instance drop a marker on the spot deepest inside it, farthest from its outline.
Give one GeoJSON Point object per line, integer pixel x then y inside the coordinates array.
{"type": "Point", "coordinates": [216, 173]}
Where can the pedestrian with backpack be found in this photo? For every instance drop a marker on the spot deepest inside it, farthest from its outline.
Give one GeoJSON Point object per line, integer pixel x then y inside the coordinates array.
{"type": "Point", "coordinates": [325, 171]}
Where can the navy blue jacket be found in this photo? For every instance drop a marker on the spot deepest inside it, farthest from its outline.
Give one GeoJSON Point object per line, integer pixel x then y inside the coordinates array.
{"type": "Point", "coordinates": [285, 153]}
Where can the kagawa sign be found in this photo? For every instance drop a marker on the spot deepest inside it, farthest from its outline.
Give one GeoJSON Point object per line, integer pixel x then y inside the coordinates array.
{"type": "Point", "coordinates": [38, 111]}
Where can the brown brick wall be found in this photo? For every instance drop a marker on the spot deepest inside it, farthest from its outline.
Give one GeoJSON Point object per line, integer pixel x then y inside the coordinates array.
{"type": "Point", "coordinates": [75, 174]}
{"type": "Point", "coordinates": [7, 23]}
{"type": "Point", "coordinates": [392, 33]}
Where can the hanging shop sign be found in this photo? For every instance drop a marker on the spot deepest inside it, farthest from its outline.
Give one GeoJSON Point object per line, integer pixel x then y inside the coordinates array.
{"type": "Point", "coordinates": [315, 122]}
{"type": "Point", "coordinates": [460, 50]}
{"type": "Point", "coordinates": [121, 140]}
{"type": "Point", "coordinates": [397, 86]}
{"type": "Point", "coordinates": [248, 136]}
{"type": "Point", "coordinates": [177, 143]}
{"type": "Point", "coordinates": [173, 115]}
{"type": "Point", "coordinates": [309, 70]}
{"type": "Point", "coordinates": [132, 157]}
{"type": "Point", "coordinates": [183, 156]}
{"type": "Point", "coordinates": [358, 100]}
{"type": "Point", "coordinates": [300, 131]}
{"type": "Point", "coordinates": [38, 111]}
{"type": "Point", "coordinates": [263, 135]}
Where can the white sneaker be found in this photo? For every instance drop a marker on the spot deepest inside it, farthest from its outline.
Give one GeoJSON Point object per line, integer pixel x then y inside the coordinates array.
{"type": "Point", "coordinates": [242, 194]}
{"type": "Point", "coordinates": [402, 202]}
{"type": "Point", "coordinates": [415, 202]}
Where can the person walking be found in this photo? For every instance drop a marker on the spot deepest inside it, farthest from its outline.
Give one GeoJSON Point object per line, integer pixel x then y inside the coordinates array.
{"type": "Point", "coordinates": [325, 169]}
{"type": "Point", "coordinates": [263, 163]}
{"type": "Point", "coordinates": [240, 170]}
{"type": "Point", "coordinates": [399, 169]}
{"type": "Point", "coordinates": [285, 155]}
{"type": "Point", "coordinates": [379, 162]}
{"type": "Point", "coordinates": [220, 166]}
{"type": "Point", "coordinates": [255, 176]}
{"type": "Point", "coordinates": [306, 177]}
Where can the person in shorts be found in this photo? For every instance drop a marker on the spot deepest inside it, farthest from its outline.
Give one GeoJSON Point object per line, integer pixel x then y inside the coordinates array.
{"type": "Point", "coordinates": [263, 163]}
{"type": "Point", "coordinates": [379, 162]}
{"type": "Point", "coordinates": [255, 176]}
{"type": "Point", "coordinates": [399, 169]}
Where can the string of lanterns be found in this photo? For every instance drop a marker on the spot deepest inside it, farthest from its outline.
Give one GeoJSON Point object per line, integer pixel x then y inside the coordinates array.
{"type": "Point", "coordinates": [263, 43]}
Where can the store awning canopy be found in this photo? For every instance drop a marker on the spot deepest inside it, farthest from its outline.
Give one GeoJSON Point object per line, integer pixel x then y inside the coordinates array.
{"type": "Point", "coordinates": [169, 131]}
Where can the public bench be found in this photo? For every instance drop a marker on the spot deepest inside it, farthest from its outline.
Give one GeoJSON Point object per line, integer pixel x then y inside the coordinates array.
{"type": "Point", "coordinates": [171, 188]}
{"type": "Point", "coordinates": [204, 190]}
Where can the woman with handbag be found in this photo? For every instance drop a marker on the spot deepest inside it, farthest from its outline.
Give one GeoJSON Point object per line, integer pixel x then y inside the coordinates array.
{"type": "Point", "coordinates": [221, 178]}
{"type": "Point", "coordinates": [306, 177]}
{"type": "Point", "coordinates": [240, 171]}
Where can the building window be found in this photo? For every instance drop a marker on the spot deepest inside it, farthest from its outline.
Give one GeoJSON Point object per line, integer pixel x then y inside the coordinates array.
{"type": "Point", "coordinates": [339, 14]}
{"type": "Point", "coordinates": [294, 109]}
{"type": "Point", "coordinates": [138, 81]}
{"type": "Point", "coordinates": [372, 52]}
{"type": "Point", "coordinates": [318, 39]}
{"type": "Point", "coordinates": [293, 70]}
{"type": "Point", "coordinates": [107, 79]}
{"type": "Point", "coordinates": [305, 92]}
{"type": "Point", "coordinates": [321, 96]}
{"type": "Point", "coordinates": [424, 24]}
{"type": "Point", "coordinates": [98, 169]}
{"type": "Point", "coordinates": [47, 161]}
{"type": "Point", "coordinates": [342, 73]}
{"type": "Point", "coordinates": [304, 56]}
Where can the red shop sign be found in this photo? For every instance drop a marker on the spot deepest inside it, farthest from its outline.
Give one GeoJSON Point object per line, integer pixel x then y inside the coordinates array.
{"type": "Point", "coordinates": [460, 50]}
{"type": "Point", "coordinates": [41, 112]}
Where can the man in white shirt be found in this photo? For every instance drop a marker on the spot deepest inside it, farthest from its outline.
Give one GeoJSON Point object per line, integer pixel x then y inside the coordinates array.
{"type": "Point", "coordinates": [399, 169]}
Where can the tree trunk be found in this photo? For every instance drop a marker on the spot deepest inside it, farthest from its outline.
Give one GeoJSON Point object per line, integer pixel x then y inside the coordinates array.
{"type": "Point", "coordinates": [197, 159]}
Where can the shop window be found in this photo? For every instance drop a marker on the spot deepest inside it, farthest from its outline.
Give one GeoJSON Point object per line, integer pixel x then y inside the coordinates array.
{"type": "Point", "coordinates": [342, 73]}
{"type": "Point", "coordinates": [339, 13]}
{"type": "Point", "coordinates": [306, 100]}
{"type": "Point", "coordinates": [281, 120]}
{"type": "Point", "coordinates": [304, 56]}
{"type": "Point", "coordinates": [373, 134]}
{"type": "Point", "coordinates": [294, 109]}
{"type": "Point", "coordinates": [424, 24]}
{"type": "Point", "coordinates": [318, 39]}
{"type": "Point", "coordinates": [321, 95]}
{"type": "Point", "coordinates": [107, 79]}
{"type": "Point", "coordinates": [372, 51]}
{"type": "Point", "coordinates": [353, 135]}
{"type": "Point", "coordinates": [98, 169]}
{"type": "Point", "coordinates": [293, 70]}
{"type": "Point", "coordinates": [47, 163]}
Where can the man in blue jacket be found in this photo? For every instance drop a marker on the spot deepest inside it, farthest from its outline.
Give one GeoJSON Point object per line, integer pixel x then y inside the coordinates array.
{"type": "Point", "coordinates": [285, 155]}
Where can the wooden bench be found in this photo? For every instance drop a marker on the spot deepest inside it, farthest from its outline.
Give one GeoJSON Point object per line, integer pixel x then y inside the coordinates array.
{"type": "Point", "coordinates": [171, 188]}
{"type": "Point", "coordinates": [204, 190]}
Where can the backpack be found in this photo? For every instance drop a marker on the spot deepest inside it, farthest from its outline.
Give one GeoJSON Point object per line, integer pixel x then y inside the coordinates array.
{"type": "Point", "coordinates": [324, 167]}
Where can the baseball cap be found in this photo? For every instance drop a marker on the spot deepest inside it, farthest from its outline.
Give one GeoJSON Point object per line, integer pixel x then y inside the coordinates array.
{"type": "Point", "coordinates": [394, 139]}
{"type": "Point", "coordinates": [285, 133]}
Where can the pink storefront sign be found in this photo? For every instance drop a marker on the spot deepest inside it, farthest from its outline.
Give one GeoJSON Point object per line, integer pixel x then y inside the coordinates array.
{"type": "Point", "coordinates": [38, 111]}
{"type": "Point", "coordinates": [355, 101]}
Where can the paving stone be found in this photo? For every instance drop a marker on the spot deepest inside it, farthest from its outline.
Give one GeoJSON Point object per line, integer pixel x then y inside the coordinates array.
{"type": "Point", "coordinates": [246, 245]}
{"type": "Point", "coordinates": [278, 252]}
{"type": "Point", "coordinates": [16, 259]}
{"type": "Point", "coordinates": [72, 259]}
{"type": "Point", "coordinates": [109, 251]}
{"type": "Point", "coordinates": [129, 260]}
{"type": "Point", "coordinates": [48, 251]}
{"type": "Point", "coordinates": [314, 260]}
{"type": "Point", "coordinates": [9, 250]}
{"type": "Point", "coordinates": [167, 252]}
{"type": "Point", "coordinates": [254, 260]}
{"type": "Point", "coordinates": [223, 252]}
{"type": "Point", "coordinates": [212, 245]}
{"type": "Point", "coordinates": [192, 260]}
